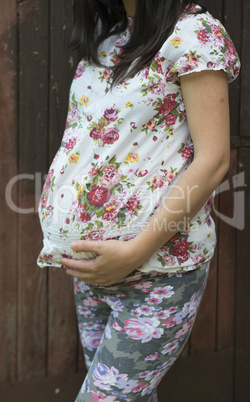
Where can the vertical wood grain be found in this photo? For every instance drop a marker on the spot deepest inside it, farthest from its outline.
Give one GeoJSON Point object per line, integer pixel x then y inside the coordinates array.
{"type": "Point", "coordinates": [203, 336]}
{"type": "Point", "coordinates": [245, 79]}
{"type": "Point", "coordinates": [8, 168]}
{"type": "Point", "coordinates": [227, 265]}
{"type": "Point", "coordinates": [33, 140]}
{"type": "Point", "coordinates": [233, 23]}
{"type": "Point", "coordinates": [62, 330]}
{"type": "Point", "coordinates": [242, 323]}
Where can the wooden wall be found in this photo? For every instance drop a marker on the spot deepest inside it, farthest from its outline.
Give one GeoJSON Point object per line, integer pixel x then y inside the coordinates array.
{"type": "Point", "coordinates": [39, 347]}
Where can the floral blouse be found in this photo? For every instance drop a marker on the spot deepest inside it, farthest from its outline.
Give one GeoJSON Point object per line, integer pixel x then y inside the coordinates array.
{"type": "Point", "coordinates": [124, 149]}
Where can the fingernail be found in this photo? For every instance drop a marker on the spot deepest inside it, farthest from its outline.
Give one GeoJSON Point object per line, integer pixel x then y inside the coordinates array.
{"type": "Point", "coordinates": [73, 244]}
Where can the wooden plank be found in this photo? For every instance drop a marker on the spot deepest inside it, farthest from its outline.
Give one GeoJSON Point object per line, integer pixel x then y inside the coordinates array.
{"type": "Point", "coordinates": [8, 166]}
{"type": "Point", "coordinates": [242, 324]}
{"type": "Point", "coordinates": [233, 23]}
{"type": "Point", "coordinates": [215, 7]}
{"type": "Point", "coordinates": [240, 141]}
{"type": "Point", "coordinates": [203, 336]}
{"type": "Point", "coordinates": [62, 328]}
{"type": "Point", "coordinates": [245, 79]}
{"type": "Point", "coordinates": [32, 298]}
{"type": "Point", "coordinates": [227, 265]}
{"type": "Point", "coordinates": [63, 388]}
{"type": "Point", "coordinates": [198, 378]}
{"type": "Point", "coordinates": [189, 380]}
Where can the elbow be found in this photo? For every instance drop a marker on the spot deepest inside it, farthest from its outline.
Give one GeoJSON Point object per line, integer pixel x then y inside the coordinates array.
{"type": "Point", "coordinates": [221, 171]}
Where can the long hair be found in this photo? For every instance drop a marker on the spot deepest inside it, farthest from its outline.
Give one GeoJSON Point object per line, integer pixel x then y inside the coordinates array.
{"type": "Point", "coordinates": [153, 23]}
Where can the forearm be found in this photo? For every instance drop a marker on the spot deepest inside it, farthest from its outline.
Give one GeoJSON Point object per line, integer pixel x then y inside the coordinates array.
{"type": "Point", "coordinates": [184, 201]}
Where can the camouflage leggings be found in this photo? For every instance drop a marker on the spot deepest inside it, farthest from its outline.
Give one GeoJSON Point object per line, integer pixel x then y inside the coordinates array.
{"type": "Point", "coordinates": [133, 331]}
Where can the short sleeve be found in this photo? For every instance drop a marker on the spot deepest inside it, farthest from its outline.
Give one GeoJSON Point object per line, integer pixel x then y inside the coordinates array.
{"type": "Point", "coordinates": [200, 42]}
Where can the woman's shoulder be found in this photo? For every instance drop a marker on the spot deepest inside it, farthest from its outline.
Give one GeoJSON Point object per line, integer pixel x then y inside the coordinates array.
{"type": "Point", "coordinates": [199, 24]}
{"type": "Point", "coordinates": [198, 42]}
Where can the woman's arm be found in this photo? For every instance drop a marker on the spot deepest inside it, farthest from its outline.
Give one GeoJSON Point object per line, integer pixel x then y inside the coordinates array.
{"type": "Point", "coordinates": [206, 100]}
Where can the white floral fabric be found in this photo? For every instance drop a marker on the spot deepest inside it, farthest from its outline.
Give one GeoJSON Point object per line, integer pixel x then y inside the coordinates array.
{"type": "Point", "coordinates": [124, 149]}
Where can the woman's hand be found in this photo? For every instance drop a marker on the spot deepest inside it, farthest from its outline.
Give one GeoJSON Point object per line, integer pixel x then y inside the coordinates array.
{"type": "Point", "coordinates": [114, 261]}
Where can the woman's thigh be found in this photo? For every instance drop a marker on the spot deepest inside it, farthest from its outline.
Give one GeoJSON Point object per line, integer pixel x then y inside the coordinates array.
{"type": "Point", "coordinates": [148, 326]}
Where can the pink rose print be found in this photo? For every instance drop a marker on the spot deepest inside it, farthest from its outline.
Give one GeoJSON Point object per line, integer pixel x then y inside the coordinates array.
{"type": "Point", "coordinates": [187, 152]}
{"type": "Point", "coordinates": [98, 196]}
{"type": "Point", "coordinates": [203, 36]}
{"type": "Point", "coordinates": [181, 250]}
{"type": "Point", "coordinates": [91, 339]}
{"type": "Point", "coordinates": [143, 173]}
{"type": "Point", "coordinates": [157, 181]}
{"type": "Point", "coordinates": [169, 323]}
{"type": "Point", "coordinates": [168, 104]}
{"type": "Point", "coordinates": [95, 235]}
{"type": "Point", "coordinates": [162, 292]}
{"type": "Point", "coordinates": [79, 71]}
{"type": "Point", "coordinates": [170, 119]}
{"type": "Point", "coordinates": [48, 179]}
{"type": "Point", "coordinates": [117, 326]}
{"type": "Point", "coordinates": [81, 213]}
{"type": "Point", "coordinates": [73, 116]}
{"type": "Point", "coordinates": [171, 348]}
{"type": "Point", "coordinates": [110, 215]}
{"type": "Point", "coordinates": [70, 144]}
{"type": "Point", "coordinates": [100, 397]}
{"type": "Point", "coordinates": [143, 329]}
{"type": "Point", "coordinates": [106, 377]}
{"type": "Point", "coordinates": [111, 135]}
{"type": "Point", "coordinates": [111, 114]}
{"type": "Point", "coordinates": [133, 203]}
{"type": "Point", "coordinates": [185, 328]}
{"type": "Point", "coordinates": [44, 200]}
{"type": "Point", "coordinates": [96, 133]}
{"type": "Point", "coordinates": [152, 357]}
{"type": "Point", "coordinates": [111, 176]}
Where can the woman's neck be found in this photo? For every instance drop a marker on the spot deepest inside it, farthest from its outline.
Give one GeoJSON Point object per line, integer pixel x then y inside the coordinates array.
{"type": "Point", "coordinates": [129, 6]}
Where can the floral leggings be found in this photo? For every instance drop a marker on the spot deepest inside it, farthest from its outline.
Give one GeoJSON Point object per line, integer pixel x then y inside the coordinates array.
{"type": "Point", "coordinates": [133, 331]}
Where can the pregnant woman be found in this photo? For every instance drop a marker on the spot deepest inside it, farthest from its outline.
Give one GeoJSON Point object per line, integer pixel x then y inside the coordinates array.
{"type": "Point", "coordinates": [126, 205]}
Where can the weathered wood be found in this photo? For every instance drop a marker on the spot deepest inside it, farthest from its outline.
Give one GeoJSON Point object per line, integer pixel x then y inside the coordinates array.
{"type": "Point", "coordinates": [233, 23]}
{"type": "Point", "coordinates": [215, 7]}
{"type": "Point", "coordinates": [242, 346]}
{"type": "Point", "coordinates": [240, 141]}
{"type": "Point", "coordinates": [62, 331]}
{"type": "Point", "coordinates": [203, 336]}
{"type": "Point", "coordinates": [227, 264]}
{"type": "Point", "coordinates": [190, 379]}
{"type": "Point", "coordinates": [33, 140]}
{"type": "Point", "coordinates": [8, 167]}
{"type": "Point", "coordinates": [245, 58]}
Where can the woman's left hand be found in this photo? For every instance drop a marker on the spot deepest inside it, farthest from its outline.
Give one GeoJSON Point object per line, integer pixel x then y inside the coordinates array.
{"type": "Point", "coordinates": [114, 261]}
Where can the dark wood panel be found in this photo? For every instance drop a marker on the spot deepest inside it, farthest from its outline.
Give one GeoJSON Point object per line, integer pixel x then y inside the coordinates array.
{"type": "Point", "coordinates": [227, 264]}
{"type": "Point", "coordinates": [62, 329]}
{"type": "Point", "coordinates": [8, 168]}
{"type": "Point", "coordinates": [233, 23]}
{"type": "Point", "coordinates": [203, 336]}
{"type": "Point", "coordinates": [33, 142]}
{"type": "Point", "coordinates": [215, 7]}
{"type": "Point", "coordinates": [245, 58]}
{"type": "Point", "coordinates": [242, 346]}
{"type": "Point", "coordinates": [193, 380]}
{"type": "Point", "coordinates": [240, 141]}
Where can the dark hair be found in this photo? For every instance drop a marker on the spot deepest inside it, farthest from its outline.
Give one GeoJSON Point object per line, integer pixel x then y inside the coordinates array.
{"type": "Point", "coordinates": [153, 23]}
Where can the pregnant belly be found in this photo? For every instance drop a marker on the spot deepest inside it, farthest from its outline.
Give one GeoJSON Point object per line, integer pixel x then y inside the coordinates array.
{"type": "Point", "coordinates": [54, 248]}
